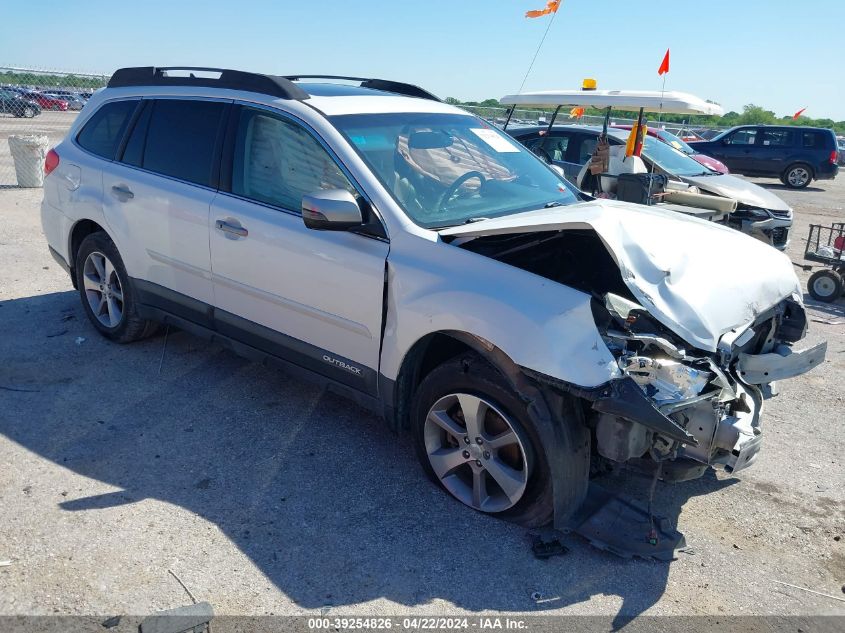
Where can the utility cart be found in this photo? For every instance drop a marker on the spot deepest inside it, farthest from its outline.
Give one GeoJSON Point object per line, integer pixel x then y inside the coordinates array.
{"type": "Point", "coordinates": [826, 245]}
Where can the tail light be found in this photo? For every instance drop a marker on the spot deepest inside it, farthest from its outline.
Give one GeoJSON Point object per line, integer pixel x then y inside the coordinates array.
{"type": "Point", "coordinates": [833, 157]}
{"type": "Point", "coordinates": [51, 162]}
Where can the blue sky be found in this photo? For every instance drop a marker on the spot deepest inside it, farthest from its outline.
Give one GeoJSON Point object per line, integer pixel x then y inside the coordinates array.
{"type": "Point", "coordinates": [784, 55]}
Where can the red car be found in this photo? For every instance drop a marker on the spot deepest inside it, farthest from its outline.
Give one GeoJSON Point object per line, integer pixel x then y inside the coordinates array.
{"type": "Point", "coordinates": [46, 103]}
{"type": "Point", "coordinates": [680, 145]}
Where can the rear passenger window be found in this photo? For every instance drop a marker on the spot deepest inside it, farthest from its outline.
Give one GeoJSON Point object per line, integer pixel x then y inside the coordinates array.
{"type": "Point", "coordinates": [778, 138]}
{"type": "Point", "coordinates": [104, 131]}
{"type": "Point", "coordinates": [278, 162]}
{"type": "Point", "coordinates": [180, 139]}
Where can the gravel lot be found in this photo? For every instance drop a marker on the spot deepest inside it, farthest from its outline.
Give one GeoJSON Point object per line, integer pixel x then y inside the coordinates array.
{"type": "Point", "coordinates": [268, 495]}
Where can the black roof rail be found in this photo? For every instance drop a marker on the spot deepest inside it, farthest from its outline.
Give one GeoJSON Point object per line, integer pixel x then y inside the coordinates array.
{"type": "Point", "coordinates": [385, 85]}
{"type": "Point", "coordinates": [271, 85]}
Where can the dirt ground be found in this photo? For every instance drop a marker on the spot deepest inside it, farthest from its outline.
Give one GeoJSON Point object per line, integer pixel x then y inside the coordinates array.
{"type": "Point", "coordinates": [267, 495]}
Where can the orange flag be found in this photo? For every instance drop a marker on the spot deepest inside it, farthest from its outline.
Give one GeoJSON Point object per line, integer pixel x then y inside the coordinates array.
{"type": "Point", "coordinates": [551, 7]}
{"type": "Point", "coordinates": [576, 113]}
{"type": "Point", "coordinates": [797, 114]}
{"type": "Point", "coordinates": [664, 66]}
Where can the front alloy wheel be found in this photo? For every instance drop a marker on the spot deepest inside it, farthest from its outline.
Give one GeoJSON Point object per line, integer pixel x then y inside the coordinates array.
{"type": "Point", "coordinates": [476, 453]}
{"type": "Point", "coordinates": [103, 289]}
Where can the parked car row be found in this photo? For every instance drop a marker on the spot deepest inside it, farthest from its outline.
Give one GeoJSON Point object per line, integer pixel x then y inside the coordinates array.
{"type": "Point", "coordinates": [58, 100]}
{"type": "Point", "coordinates": [424, 263]}
{"type": "Point", "coordinates": [12, 103]}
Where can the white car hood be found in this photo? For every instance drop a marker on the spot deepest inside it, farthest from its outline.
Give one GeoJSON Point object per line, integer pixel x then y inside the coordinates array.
{"type": "Point", "coordinates": [740, 190]}
{"type": "Point", "coordinates": [697, 278]}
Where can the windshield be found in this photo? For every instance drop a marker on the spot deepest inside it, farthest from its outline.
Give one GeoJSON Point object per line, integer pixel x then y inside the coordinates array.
{"type": "Point", "coordinates": [674, 141]}
{"type": "Point", "coordinates": [448, 169]}
{"type": "Point", "coordinates": [671, 160]}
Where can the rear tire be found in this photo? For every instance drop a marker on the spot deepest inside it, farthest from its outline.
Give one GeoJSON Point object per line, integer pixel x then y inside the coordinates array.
{"type": "Point", "coordinates": [797, 176]}
{"type": "Point", "coordinates": [825, 285]}
{"type": "Point", "coordinates": [445, 437]}
{"type": "Point", "coordinates": [107, 294]}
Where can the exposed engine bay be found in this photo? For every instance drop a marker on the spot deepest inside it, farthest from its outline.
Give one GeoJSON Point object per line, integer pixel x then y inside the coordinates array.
{"type": "Point", "coordinates": [686, 408]}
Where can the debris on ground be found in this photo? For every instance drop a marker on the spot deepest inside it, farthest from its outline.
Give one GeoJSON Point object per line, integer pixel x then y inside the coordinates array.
{"type": "Point", "coordinates": [545, 546]}
{"type": "Point", "coordinates": [5, 563]}
{"type": "Point", "coordinates": [111, 622]}
{"type": "Point", "coordinates": [813, 591]}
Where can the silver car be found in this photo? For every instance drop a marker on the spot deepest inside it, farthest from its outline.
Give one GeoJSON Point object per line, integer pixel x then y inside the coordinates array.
{"type": "Point", "coordinates": [419, 261]}
{"type": "Point", "coordinates": [759, 212]}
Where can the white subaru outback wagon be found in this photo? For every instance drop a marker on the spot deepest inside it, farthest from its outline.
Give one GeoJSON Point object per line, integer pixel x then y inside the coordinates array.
{"type": "Point", "coordinates": [424, 263]}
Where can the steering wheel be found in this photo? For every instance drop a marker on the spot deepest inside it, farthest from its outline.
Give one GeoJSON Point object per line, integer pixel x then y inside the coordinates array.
{"type": "Point", "coordinates": [544, 155]}
{"type": "Point", "coordinates": [453, 188]}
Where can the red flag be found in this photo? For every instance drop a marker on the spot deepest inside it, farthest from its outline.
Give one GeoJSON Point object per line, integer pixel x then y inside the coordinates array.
{"type": "Point", "coordinates": [797, 114]}
{"type": "Point", "coordinates": [576, 113]}
{"type": "Point", "coordinates": [664, 67]}
{"type": "Point", "coordinates": [551, 7]}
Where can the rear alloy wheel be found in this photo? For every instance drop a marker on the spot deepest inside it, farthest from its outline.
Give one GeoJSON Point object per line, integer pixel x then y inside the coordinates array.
{"type": "Point", "coordinates": [103, 289]}
{"type": "Point", "coordinates": [106, 291]}
{"type": "Point", "coordinates": [29, 112]}
{"type": "Point", "coordinates": [825, 285]}
{"type": "Point", "coordinates": [798, 176]}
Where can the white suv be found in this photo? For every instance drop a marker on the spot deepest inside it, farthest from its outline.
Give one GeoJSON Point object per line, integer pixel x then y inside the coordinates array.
{"type": "Point", "coordinates": [427, 265]}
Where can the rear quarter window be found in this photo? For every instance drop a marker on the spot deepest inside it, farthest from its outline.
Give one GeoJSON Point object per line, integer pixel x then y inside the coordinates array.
{"type": "Point", "coordinates": [103, 132]}
{"type": "Point", "coordinates": [814, 140]}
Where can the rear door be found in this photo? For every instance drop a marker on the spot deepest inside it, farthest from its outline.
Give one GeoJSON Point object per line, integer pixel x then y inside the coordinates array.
{"type": "Point", "coordinates": [157, 199]}
{"type": "Point", "coordinates": [776, 149]}
{"type": "Point", "coordinates": [737, 149]}
{"type": "Point", "coordinates": [313, 298]}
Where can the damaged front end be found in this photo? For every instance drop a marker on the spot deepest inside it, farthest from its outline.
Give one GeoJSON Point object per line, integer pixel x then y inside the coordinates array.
{"type": "Point", "coordinates": [688, 409]}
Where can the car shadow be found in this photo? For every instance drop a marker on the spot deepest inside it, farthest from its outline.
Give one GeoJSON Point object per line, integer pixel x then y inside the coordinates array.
{"type": "Point", "coordinates": [781, 187]}
{"type": "Point", "coordinates": [326, 503]}
{"type": "Point", "coordinates": [834, 308]}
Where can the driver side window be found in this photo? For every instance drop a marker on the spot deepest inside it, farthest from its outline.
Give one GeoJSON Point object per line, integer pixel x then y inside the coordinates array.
{"type": "Point", "coordinates": [277, 162]}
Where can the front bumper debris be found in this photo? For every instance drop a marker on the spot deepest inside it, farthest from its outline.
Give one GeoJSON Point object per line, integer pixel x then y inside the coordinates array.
{"type": "Point", "coordinates": [784, 362]}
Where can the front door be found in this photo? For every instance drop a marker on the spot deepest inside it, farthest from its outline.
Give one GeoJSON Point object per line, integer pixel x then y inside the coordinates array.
{"type": "Point", "coordinates": [311, 297]}
{"type": "Point", "coordinates": [738, 150]}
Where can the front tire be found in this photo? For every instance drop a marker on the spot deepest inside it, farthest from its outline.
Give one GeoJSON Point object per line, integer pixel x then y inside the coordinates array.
{"type": "Point", "coordinates": [825, 285]}
{"type": "Point", "coordinates": [798, 176]}
{"type": "Point", "coordinates": [106, 291]}
{"type": "Point", "coordinates": [475, 437]}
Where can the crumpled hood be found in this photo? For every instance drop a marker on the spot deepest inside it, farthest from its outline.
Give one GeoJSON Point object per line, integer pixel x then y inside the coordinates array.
{"type": "Point", "coordinates": [698, 278]}
{"type": "Point", "coordinates": [740, 190]}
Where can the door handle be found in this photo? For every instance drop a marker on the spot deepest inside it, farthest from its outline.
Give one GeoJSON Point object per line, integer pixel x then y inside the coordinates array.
{"type": "Point", "coordinates": [122, 191]}
{"type": "Point", "coordinates": [231, 229]}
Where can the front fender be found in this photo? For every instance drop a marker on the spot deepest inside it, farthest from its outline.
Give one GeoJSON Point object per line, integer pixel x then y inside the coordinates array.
{"type": "Point", "coordinates": [537, 323]}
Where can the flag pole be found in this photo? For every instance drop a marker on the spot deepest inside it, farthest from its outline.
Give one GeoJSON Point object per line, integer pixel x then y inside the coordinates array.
{"type": "Point", "coordinates": [537, 52]}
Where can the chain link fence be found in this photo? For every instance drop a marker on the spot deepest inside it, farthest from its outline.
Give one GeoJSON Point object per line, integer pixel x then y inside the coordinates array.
{"type": "Point", "coordinates": [37, 107]}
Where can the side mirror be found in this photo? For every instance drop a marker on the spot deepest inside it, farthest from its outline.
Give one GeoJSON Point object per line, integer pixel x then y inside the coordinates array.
{"type": "Point", "coordinates": [331, 210]}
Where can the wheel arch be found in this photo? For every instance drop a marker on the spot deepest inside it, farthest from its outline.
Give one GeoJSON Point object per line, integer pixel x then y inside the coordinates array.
{"type": "Point", "coordinates": [435, 348]}
{"type": "Point", "coordinates": [799, 161]}
{"type": "Point", "coordinates": [79, 231]}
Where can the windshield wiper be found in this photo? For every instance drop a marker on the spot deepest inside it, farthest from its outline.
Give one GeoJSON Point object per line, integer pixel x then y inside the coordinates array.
{"type": "Point", "coordinates": [552, 204]}
{"type": "Point", "coordinates": [478, 219]}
